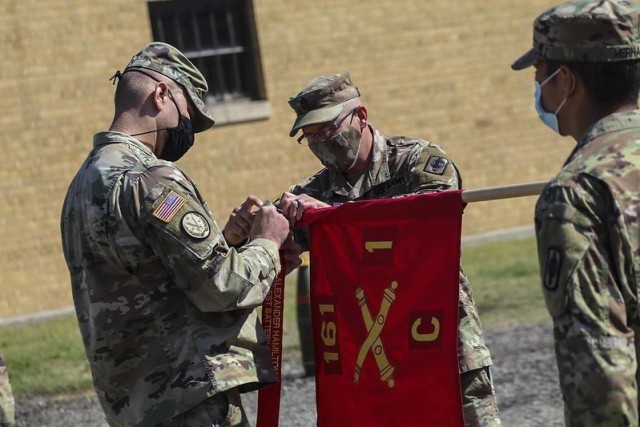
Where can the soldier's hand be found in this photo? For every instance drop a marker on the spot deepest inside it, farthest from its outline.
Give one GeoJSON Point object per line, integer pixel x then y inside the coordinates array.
{"type": "Point", "coordinates": [270, 224]}
{"type": "Point", "coordinates": [294, 205]}
{"type": "Point", "coordinates": [291, 252]}
{"type": "Point", "coordinates": [238, 227]}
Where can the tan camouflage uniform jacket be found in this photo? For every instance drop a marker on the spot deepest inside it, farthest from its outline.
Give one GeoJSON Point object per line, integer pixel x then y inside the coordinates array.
{"type": "Point", "coordinates": [400, 166]}
{"type": "Point", "coordinates": [588, 235]}
{"type": "Point", "coordinates": [165, 307]}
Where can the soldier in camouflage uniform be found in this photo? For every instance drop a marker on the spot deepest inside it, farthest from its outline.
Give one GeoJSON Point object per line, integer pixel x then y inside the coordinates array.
{"type": "Point", "coordinates": [7, 403]}
{"type": "Point", "coordinates": [587, 74]}
{"type": "Point", "coordinates": [361, 163]}
{"type": "Point", "coordinates": [164, 297]}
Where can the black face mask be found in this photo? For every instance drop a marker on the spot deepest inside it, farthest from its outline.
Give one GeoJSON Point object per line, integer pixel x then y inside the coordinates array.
{"type": "Point", "coordinates": [179, 139]}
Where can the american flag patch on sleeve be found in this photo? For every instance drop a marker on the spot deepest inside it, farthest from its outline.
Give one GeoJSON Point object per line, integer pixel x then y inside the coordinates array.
{"type": "Point", "coordinates": [169, 206]}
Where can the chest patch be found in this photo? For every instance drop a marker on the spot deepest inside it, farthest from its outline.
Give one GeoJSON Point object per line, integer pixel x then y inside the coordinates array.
{"type": "Point", "coordinates": [169, 206]}
{"type": "Point", "coordinates": [380, 189]}
{"type": "Point", "coordinates": [436, 165]}
{"type": "Point", "coordinates": [195, 225]}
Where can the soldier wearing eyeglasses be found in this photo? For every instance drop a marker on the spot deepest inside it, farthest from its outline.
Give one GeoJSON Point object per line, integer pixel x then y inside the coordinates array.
{"type": "Point", "coordinates": [361, 163]}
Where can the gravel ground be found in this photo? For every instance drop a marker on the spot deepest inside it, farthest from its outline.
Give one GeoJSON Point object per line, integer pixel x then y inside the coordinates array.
{"type": "Point", "coordinates": [524, 371]}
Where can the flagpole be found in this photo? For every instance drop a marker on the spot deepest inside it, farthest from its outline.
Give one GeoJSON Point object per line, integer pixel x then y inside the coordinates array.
{"type": "Point", "coordinates": [505, 192]}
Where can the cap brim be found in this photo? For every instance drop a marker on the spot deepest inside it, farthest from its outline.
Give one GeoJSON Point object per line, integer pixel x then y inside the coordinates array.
{"type": "Point", "coordinates": [313, 117]}
{"type": "Point", "coordinates": [526, 60]}
{"type": "Point", "coordinates": [203, 119]}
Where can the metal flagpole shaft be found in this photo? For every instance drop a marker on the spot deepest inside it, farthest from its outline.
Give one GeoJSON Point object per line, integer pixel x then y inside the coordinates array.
{"type": "Point", "coordinates": [505, 192]}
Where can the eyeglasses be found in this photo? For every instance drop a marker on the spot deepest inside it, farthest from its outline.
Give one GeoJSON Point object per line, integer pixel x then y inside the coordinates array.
{"type": "Point", "coordinates": [326, 132]}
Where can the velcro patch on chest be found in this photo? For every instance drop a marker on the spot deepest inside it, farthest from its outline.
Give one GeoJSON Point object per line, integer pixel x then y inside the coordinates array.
{"type": "Point", "coordinates": [169, 206]}
{"type": "Point", "coordinates": [436, 165]}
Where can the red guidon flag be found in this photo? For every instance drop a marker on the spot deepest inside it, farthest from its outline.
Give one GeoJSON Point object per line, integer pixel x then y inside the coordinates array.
{"type": "Point", "coordinates": [384, 300]}
{"type": "Point", "coordinates": [272, 322]}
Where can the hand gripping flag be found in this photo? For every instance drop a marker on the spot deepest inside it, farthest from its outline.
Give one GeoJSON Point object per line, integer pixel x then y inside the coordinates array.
{"type": "Point", "coordinates": [384, 300]}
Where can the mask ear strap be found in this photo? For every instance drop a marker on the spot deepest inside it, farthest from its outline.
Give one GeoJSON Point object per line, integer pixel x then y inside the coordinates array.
{"type": "Point", "coordinates": [573, 87]}
{"type": "Point", "coordinates": [550, 77]}
{"type": "Point", "coordinates": [560, 106]}
{"type": "Point", "coordinates": [116, 77]}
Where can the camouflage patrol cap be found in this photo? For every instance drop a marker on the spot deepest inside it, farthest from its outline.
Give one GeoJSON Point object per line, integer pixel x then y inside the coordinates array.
{"type": "Point", "coordinates": [170, 62]}
{"type": "Point", "coordinates": [585, 31]}
{"type": "Point", "coordinates": [322, 99]}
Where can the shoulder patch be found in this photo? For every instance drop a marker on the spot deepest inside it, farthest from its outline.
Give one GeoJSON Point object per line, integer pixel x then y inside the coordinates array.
{"type": "Point", "coordinates": [552, 269]}
{"type": "Point", "coordinates": [169, 206]}
{"type": "Point", "coordinates": [436, 165]}
{"type": "Point", "coordinates": [195, 225]}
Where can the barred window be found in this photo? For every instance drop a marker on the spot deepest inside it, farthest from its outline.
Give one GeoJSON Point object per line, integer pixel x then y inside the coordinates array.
{"type": "Point", "coordinates": [219, 37]}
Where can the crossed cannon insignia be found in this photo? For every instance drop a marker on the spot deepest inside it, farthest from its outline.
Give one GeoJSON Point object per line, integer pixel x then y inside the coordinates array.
{"type": "Point", "coordinates": [374, 328]}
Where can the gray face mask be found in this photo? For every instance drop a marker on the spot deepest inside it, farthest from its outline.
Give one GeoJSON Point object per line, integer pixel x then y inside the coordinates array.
{"type": "Point", "coordinates": [340, 152]}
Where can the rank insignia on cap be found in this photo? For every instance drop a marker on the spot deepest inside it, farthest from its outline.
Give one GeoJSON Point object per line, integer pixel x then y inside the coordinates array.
{"type": "Point", "coordinates": [552, 269]}
{"type": "Point", "coordinates": [195, 225]}
{"type": "Point", "coordinates": [436, 165]}
{"type": "Point", "coordinates": [169, 206]}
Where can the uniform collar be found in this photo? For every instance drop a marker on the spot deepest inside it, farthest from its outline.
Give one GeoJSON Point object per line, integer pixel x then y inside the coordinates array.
{"type": "Point", "coordinates": [611, 123]}
{"type": "Point", "coordinates": [110, 137]}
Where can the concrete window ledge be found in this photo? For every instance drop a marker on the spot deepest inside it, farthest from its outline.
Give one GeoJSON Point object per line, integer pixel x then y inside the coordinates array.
{"type": "Point", "coordinates": [239, 111]}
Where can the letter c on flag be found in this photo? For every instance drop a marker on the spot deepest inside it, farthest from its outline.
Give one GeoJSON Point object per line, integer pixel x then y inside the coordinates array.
{"type": "Point", "coordinates": [420, 337]}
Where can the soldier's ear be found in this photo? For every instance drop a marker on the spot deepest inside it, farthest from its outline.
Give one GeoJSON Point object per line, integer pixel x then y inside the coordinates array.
{"type": "Point", "coordinates": [362, 116]}
{"type": "Point", "coordinates": [160, 95]}
{"type": "Point", "coordinates": [570, 80]}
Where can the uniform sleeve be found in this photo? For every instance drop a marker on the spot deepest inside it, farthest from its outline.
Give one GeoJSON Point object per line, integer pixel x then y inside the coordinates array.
{"type": "Point", "coordinates": [433, 171]}
{"type": "Point", "coordinates": [179, 228]}
{"type": "Point", "coordinates": [587, 298]}
{"type": "Point", "coordinates": [572, 247]}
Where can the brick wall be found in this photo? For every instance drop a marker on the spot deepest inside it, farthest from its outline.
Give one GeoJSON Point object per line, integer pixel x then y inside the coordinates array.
{"type": "Point", "coordinates": [438, 70]}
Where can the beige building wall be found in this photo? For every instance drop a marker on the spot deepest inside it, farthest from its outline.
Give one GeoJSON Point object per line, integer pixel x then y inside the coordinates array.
{"type": "Point", "coordinates": [438, 70]}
